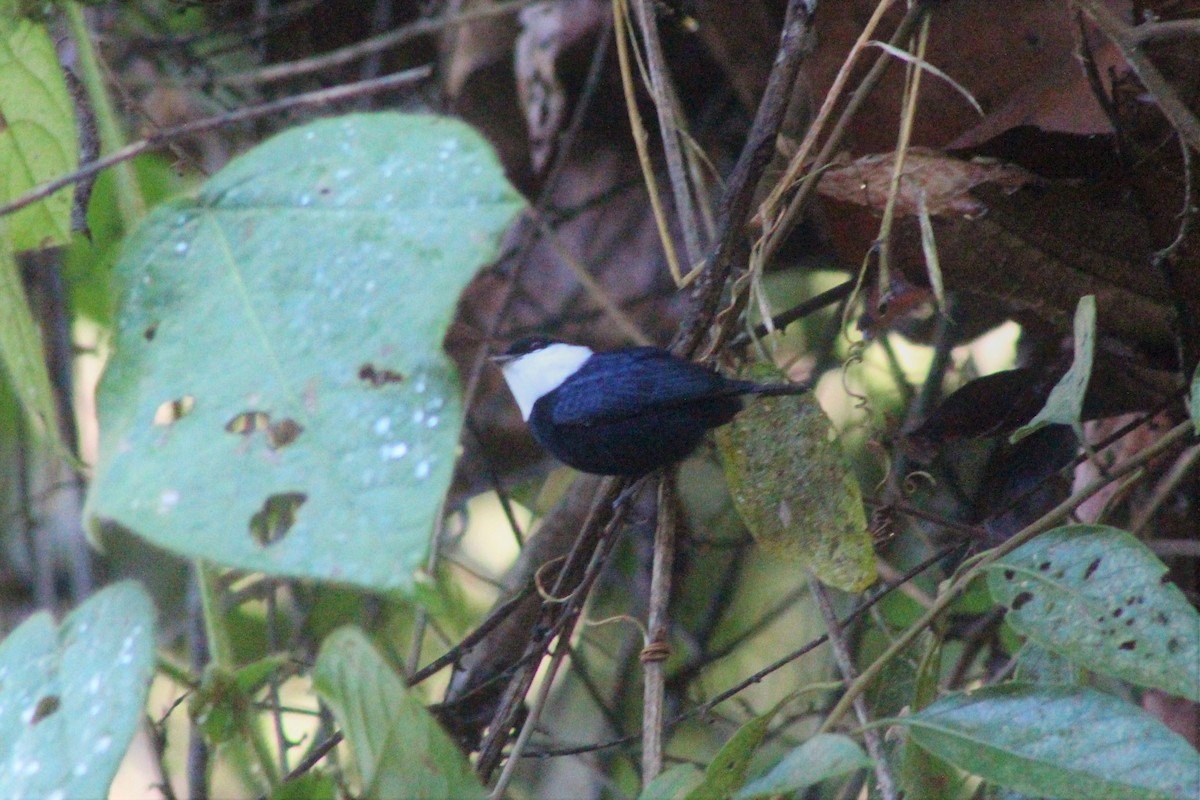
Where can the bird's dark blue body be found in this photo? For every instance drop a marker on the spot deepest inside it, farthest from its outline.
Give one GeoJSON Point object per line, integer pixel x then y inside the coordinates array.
{"type": "Point", "coordinates": [631, 411]}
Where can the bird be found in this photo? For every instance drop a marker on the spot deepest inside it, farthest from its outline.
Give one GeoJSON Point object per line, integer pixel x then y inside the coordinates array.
{"type": "Point", "coordinates": [623, 412]}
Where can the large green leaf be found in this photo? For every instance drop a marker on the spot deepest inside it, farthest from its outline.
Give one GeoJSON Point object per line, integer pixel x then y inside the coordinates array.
{"type": "Point", "coordinates": [1064, 406]}
{"type": "Point", "coordinates": [400, 749]}
{"type": "Point", "coordinates": [279, 399]}
{"type": "Point", "coordinates": [792, 489]}
{"type": "Point", "coordinates": [1059, 741]}
{"type": "Point", "coordinates": [71, 696]}
{"type": "Point", "coordinates": [38, 139]}
{"type": "Point", "coordinates": [1097, 596]}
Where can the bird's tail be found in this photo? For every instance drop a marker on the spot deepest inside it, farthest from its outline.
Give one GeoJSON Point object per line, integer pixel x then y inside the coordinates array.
{"type": "Point", "coordinates": [775, 389]}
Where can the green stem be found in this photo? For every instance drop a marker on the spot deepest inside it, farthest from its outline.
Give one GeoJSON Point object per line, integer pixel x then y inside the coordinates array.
{"type": "Point", "coordinates": [220, 656]}
{"type": "Point", "coordinates": [220, 648]}
{"type": "Point", "coordinates": [108, 123]}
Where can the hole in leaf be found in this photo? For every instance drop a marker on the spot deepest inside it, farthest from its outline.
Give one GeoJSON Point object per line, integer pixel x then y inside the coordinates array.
{"type": "Point", "coordinates": [1021, 599]}
{"type": "Point", "coordinates": [1118, 613]}
{"type": "Point", "coordinates": [1128, 622]}
{"type": "Point", "coordinates": [378, 376]}
{"type": "Point", "coordinates": [1091, 569]}
{"type": "Point", "coordinates": [150, 331]}
{"type": "Point", "coordinates": [172, 411]}
{"type": "Point", "coordinates": [1045, 565]}
{"type": "Point", "coordinates": [45, 707]}
{"type": "Point", "coordinates": [1172, 645]}
{"type": "Point", "coordinates": [1166, 578]}
{"type": "Point", "coordinates": [276, 517]}
{"type": "Point", "coordinates": [1009, 574]}
{"type": "Point", "coordinates": [1161, 618]}
{"type": "Point", "coordinates": [283, 433]}
{"type": "Point", "coordinates": [248, 422]}
{"type": "Point", "coordinates": [1128, 644]}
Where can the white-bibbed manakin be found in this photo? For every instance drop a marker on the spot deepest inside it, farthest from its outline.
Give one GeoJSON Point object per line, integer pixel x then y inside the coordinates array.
{"type": "Point", "coordinates": [621, 412]}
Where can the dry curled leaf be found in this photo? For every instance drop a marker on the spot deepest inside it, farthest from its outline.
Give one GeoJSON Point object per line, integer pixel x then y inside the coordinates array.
{"type": "Point", "coordinates": [944, 181]}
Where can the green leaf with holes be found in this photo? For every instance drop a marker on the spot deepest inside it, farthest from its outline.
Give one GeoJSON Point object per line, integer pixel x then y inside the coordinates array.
{"type": "Point", "coordinates": [792, 488]}
{"type": "Point", "coordinates": [1098, 596]}
{"type": "Point", "coordinates": [38, 138]}
{"type": "Point", "coordinates": [1064, 406]}
{"type": "Point", "coordinates": [279, 399]}
{"type": "Point", "coordinates": [1058, 741]}
{"type": "Point", "coordinates": [400, 749]}
{"type": "Point", "coordinates": [72, 695]}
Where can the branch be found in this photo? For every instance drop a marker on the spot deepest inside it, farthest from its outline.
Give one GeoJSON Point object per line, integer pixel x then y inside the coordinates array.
{"type": "Point", "coordinates": [657, 650]}
{"type": "Point", "coordinates": [738, 199]}
{"type": "Point", "coordinates": [317, 98]}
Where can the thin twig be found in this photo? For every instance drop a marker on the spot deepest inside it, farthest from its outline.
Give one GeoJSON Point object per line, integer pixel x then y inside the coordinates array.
{"type": "Point", "coordinates": [841, 654]}
{"type": "Point", "coordinates": [154, 140]}
{"type": "Point", "coordinates": [497, 616]}
{"type": "Point", "coordinates": [908, 114]}
{"type": "Point", "coordinates": [367, 47]}
{"type": "Point", "coordinates": [666, 104]}
{"type": "Point", "coordinates": [656, 652]}
{"type": "Point", "coordinates": [624, 33]}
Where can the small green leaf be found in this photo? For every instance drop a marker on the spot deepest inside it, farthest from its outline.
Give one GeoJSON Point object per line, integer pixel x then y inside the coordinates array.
{"type": "Point", "coordinates": [727, 771]}
{"type": "Point", "coordinates": [399, 748]}
{"type": "Point", "coordinates": [38, 138]}
{"type": "Point", "coordinates": [793, 490]}
{"type": "Point", "coordinates": [309, 786]}
{"type": "Point", "coordinates": [72, 696]}
{"type": "Point", "coordinates": [673, 783]}
{"type": "Point", "coordinates": [1064, 406]}
{"type": "Point", "coordinates": [822, 757]}
{"type": "Point", "coordinates": [279, 400]}
{"type": "Point", "coordinates": [1099, 597]}
{"type": "Point", "coordinates": [1059, 742]}
{"type": "Point", "coordinates": [21, 354]}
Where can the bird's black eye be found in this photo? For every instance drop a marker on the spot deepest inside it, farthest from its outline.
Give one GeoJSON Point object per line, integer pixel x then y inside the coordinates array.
{"type": "Point", "coordinates": [528, 344]}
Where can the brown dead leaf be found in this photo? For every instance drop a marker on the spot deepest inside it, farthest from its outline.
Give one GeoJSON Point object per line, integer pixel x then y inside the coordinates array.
{"type": "Point", "coordinates": [945, 182]}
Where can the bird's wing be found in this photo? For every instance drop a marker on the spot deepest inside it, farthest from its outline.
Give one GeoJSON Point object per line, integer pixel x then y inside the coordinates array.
{"type": "Point", "coordinates": [622, 384]}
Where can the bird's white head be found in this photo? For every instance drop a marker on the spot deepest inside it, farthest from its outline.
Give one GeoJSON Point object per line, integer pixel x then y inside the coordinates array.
{"type": "Point", "coordinates": [534, 366]}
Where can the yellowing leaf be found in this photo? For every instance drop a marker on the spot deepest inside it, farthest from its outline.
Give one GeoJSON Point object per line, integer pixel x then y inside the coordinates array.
{"type": "Point", "coordinates": [792, 489]}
